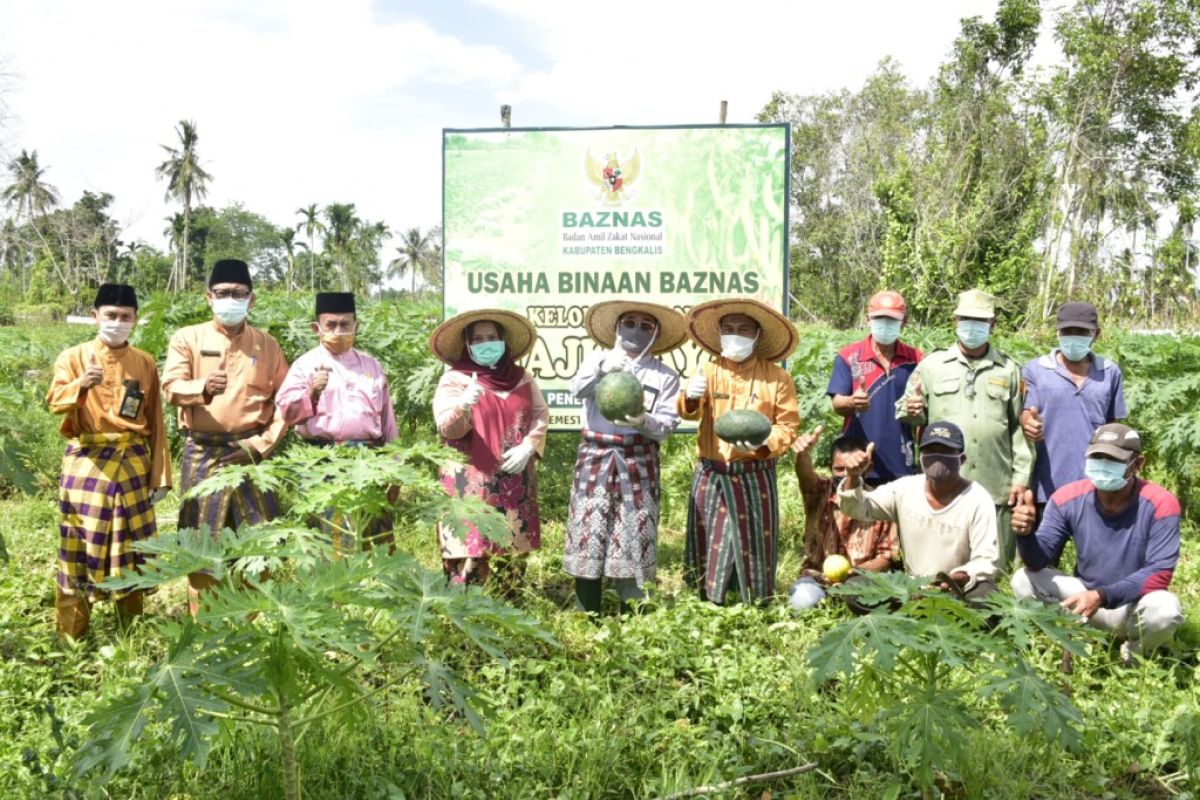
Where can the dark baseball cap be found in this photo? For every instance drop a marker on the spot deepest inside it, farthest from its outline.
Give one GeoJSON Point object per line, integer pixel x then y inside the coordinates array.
{"type": "Point", "coordinates": [1116, 441]}
{"type": "Point", "coordinates": [943, 433]}
{"type": "Point", "coordinates": [1078, 315]}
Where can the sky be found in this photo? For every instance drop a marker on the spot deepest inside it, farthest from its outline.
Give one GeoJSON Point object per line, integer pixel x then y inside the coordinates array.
{"type": "Point", "coordinates": [311, 101]}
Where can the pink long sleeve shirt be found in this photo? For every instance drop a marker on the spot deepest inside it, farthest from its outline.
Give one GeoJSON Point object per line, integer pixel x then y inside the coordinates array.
{"type": "Point", "coordinates": [356, 405]}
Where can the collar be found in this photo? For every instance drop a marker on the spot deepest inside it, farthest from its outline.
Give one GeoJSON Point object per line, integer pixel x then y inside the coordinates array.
{"type": "Point", "coordinates": [744, 368]}
{"type": "Point", "coordinates": [864, 350]}
{"type": "Point", "coordinates": [993, 355]}
{"type": "Point", "coordinates": [1050, 362]}
{"type": "Point", "coordinates": [216, 326]}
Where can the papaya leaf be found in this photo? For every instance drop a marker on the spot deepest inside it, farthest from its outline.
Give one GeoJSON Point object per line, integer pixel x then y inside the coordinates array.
{"type": "Point", "coordinates": [1034, 706]}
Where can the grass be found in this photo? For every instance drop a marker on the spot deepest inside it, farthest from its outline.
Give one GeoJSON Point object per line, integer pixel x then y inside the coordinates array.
{"type": "Point", "coordinates": [684, 695]}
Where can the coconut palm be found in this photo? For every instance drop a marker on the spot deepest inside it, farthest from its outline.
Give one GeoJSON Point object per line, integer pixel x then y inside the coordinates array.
{"type": "Point", "coordinates": [288, 237]}
{"type": "Point", "coordinates": [414, 256]}
{"type": "Point", "coordinates": [186, 180]}
{"type": "Point", "coordinates": [342, 223]}
{"type": "Point", "coordinates": [311, 224]}
{"type": "Point", "coordinates": [28, 193]}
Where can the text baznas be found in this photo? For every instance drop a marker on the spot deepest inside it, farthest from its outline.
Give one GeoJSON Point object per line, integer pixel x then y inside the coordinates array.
{"type": "Point", "coordinates": [612, 282]}
{"type": "Point", "coordinates": [612, 219]}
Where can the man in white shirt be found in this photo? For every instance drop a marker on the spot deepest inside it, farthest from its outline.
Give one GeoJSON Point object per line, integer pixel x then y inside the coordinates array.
{"type": "Point", "coordinates": [947, 524]}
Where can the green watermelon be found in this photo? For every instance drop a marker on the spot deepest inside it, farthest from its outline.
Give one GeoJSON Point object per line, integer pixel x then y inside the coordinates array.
{"type": "Point", "coordinates": [742, 425]}
{"type": "Point", "coordinates": [619, 396]}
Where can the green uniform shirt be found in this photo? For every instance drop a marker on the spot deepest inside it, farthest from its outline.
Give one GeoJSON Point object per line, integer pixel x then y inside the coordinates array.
{"type": "Point", "coordinates": [983, 397]}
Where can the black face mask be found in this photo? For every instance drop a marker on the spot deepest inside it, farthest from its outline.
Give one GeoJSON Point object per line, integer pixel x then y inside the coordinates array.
{"type": "Point", "coordinates": [940, 466]}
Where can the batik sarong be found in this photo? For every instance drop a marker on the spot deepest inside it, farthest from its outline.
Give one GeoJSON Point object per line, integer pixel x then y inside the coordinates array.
{"type": "Point", "coordinates": [244, 504]}
{"type": "Point", "coordinates": [612, 524]}
{"type": "Point", "coordinates": [104, 499]}
{"type": "Point", "coordinates": [733, 529]}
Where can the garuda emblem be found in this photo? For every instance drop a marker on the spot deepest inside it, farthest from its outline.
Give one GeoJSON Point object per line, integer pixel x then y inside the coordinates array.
{"type": "Point", "coordinates": [612, 176]}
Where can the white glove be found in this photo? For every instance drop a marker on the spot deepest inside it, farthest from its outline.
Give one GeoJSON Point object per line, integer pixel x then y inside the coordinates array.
{"type": "Point", "coordinates": [635, 421]}
{"type": "Point", "coordinates": [471, 394]}
{"type": "Point", "coordinates": [748, 446]}
{"type": "Point", "coordinates": [516, 458]}
{"type": "Point", "coordinates": [697, 386]}
{"type": "Point", "coordinates": [615, 361]}
{"type": "Point", "coordinates": [158, 494]}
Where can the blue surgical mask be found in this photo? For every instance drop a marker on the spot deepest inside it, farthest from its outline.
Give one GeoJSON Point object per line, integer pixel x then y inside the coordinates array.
{"type": "Point", "coordinates": [885, 330]}
{"type": "Point", "coordinates": [974, 333]}
{"type": "Point", "coordinates": [1108, 476]}
{"type": "Point", "coordinates": [230, 311]}
{"type": "Point", "coordinates": [487, 354]}
{"type": "Point", "coordinates": [1075, 348]}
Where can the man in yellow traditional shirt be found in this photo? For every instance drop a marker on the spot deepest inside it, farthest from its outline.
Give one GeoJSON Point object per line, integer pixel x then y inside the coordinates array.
{"type": "Point", "coordinates": [733, 518]}
{"type": "Point", "coordinates": [116, 466]}
{"type": "Point", "coordinates": [223, 375]}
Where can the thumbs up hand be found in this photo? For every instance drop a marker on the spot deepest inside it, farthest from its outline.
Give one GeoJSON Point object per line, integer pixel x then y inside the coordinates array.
{"type": "Point", "coordinates": [320, 380]}
{"type": "Point", "coordinates": [857, 464]}
{"type": "Point", "coordinates": [1024, 515]}
{"type": "Point", "coordinates": [1032, 425]}
{"type": "Point", "coordinates": [806, 441]}
{"type": "Point", "coordinates": [471, 394]}
{"type": "Point", "coordinates": [915, 399]}
{"type": "Point", "coordinates": [218, 381]}
{"type": "Point", "coordinates": [93, 375]}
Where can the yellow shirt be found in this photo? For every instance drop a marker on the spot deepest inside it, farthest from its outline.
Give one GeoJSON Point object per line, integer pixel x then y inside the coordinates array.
{"type": "Point", "coordinates": [753, 384]}
{"type": "Point", "coordinates": [97, 409]}
{"type": "Point", "coordinates": [255, 369]}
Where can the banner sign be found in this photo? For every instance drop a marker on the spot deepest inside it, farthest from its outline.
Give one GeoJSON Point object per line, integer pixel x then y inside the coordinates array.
{"type": "Point", "coordinates": [546, 222]}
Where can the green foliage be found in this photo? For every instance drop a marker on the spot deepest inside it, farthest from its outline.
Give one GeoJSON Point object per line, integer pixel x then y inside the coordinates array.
{"type": "Point", "coordinates": [320, 636]}
{"type": "Point", "coordinates": [919, 673]}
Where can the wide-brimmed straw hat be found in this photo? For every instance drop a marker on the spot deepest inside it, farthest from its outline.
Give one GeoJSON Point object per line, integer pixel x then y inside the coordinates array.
{"type": "Point", "coordinates": [775, 343]}
{"type": "Point", "coordinates": [601, 323]}
{"type": "Point", "coordinates": [448, 342]}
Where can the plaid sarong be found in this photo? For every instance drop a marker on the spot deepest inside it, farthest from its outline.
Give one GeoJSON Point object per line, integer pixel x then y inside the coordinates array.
{"type": "Point", "coordinates": [733, 529]}
{"type": "Point", "coordinates": [230, 508]}
{"type": "Point", "coordinates": [612, 524]}
{"type": "Point", "coordinates": [104, 500]}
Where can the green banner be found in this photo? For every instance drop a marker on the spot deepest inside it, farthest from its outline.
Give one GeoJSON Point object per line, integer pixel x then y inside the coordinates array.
{"type": "Point", "coordinates": [546, 222]}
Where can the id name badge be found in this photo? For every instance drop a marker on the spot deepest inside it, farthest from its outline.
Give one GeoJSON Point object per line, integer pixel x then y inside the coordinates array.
{"type": "Point", "coordinates": [131, 403]}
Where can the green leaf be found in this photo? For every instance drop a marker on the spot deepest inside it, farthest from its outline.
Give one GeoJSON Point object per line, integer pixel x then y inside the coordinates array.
{"type": "Point", "coordinates": [1034, 706]}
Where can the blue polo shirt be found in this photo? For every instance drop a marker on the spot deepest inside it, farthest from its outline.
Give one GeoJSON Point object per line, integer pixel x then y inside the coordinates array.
{"type": "Point", "coordinates": [1071, 415]}
{"type": "Point", "coordinates": [1124, 556]}
{"type": "Point", "coordinates": [856, 366]}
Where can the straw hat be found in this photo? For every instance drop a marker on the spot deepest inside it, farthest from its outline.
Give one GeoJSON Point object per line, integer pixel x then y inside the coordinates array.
{"type": "Point", "coordinates": [601, 323]}
{"type": "Point", "coordinates": [776, 341]}
{"type": "Point", "coordinates": [448, 342]}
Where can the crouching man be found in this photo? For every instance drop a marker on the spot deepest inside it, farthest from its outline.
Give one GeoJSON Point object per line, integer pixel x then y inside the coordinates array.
{"type": "Point", "coordinates": [946, 523]}
{"type": "Point", "coordinates": [1126, 533]}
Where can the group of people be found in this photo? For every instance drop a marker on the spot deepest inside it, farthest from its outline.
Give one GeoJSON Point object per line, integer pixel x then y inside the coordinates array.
{"type": "Point", "coordinates": [947, 466]}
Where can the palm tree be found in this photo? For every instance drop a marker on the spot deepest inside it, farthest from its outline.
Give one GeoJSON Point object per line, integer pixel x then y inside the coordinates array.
{"type": "Point", "coordinates": [185, 180]}
{"type": "Point", "coordinates": [343, 222]}
{"type": "Point", "coordinates": [414, 256]}
{"type": "Point", "coordinates": [311, 224]}
{"type": "Point", "coordinates": [28, 193]}
{"type": "Point", "coordinates": [288, 237]}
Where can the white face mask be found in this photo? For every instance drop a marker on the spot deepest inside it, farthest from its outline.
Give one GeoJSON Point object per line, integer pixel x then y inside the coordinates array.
{"type": "Point", "coordinates": [114, 332]}
{"type": "Point", "coordinates": [737, 348]}
{"type": "Point", "coordinates": [230, 311]}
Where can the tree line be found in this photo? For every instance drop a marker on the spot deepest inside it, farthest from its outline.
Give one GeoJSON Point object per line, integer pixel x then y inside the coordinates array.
{"type": "Point", "coordinates": [1040, 184]}
{"type": "Point", "coordinates": [1071, 181]}
{"type": "Point", "coordinates": [52, 254]}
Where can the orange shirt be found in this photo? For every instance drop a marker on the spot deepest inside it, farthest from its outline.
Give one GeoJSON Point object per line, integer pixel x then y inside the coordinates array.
{"type": "Point", "coordinates": [97, 409]}
{"type": "Point", "coordinates": [753, 384]}
{"type": "Point", "coordinates": [255, 369]}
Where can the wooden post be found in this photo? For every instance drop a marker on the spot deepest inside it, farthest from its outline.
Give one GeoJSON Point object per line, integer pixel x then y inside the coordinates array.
{"type": "Point", "coordinates": [724, 110]}
{"type": "Point", "coordinates": [506, 116]}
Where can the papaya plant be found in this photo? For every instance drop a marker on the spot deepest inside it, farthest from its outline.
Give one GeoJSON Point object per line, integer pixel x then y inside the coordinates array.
{"type": "Point", "coordinates": [919, 668]}
{"type": "Point", "coordinates": [321, 636]}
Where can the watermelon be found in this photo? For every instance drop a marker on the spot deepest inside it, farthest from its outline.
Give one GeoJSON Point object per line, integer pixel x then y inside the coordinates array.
{"type": "Point", "coordinates": [743, 425]}
{"type": "Point", "coordinates": [619, 396]}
